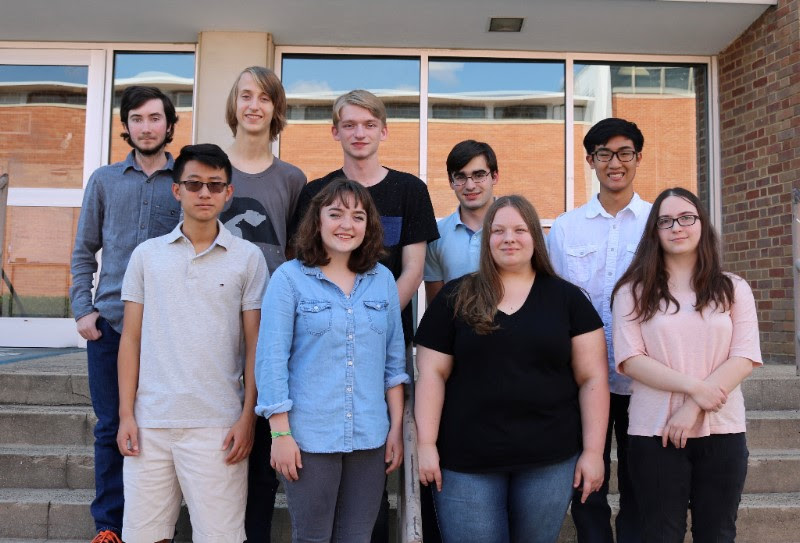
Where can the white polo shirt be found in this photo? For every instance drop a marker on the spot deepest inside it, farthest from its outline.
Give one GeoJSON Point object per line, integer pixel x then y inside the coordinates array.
{"type": "Point", "coordinates": [192, 348]}
{"type": "Point", "coordinates": [592, 249]}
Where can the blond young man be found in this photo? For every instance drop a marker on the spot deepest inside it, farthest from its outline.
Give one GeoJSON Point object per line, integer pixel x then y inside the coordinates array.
{"type": "Point", "coordinates": [267, 190]}
{"type": "Point", "coordinates": [402, 199]}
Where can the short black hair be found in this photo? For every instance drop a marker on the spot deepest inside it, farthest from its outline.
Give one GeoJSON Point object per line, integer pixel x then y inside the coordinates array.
{"type": "Point", "coordinates": [465, 151]}
{"type": "Point", "coordinates": [204, 153]}
{"type": "Point", "coordinates": [609, 128]}
{"type": "Point", "coordinates": [135, 96]}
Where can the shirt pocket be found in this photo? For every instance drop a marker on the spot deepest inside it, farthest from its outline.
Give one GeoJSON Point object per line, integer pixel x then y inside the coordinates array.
{"type": "Point", "coordinates": [317, 316]}
{"type": "Point", "coordinates": [164, 221]}
{"type": "Point", "coordinates": [378, 314]}
{"type": "Point", "coordinates": [392, 230]}
{"type": "Point", "coordinates": [627, 257]}
{"type": "Point", "coordinates": [581, 262]}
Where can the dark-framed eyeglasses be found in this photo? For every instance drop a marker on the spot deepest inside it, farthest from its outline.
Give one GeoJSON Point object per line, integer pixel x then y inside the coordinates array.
{"type": "Point", "coordinates": [214, 187]}
{"type": "Point", "coordinates": [606, 155]}
{"type": "Point", "coordinates": [459, 178]}
{"type": "Point", "coordinates": [665, 223]}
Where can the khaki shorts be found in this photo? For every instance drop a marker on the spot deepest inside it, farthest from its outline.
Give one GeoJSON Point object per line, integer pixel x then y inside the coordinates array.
{"type": "Point", "coordinates": [188, 462]}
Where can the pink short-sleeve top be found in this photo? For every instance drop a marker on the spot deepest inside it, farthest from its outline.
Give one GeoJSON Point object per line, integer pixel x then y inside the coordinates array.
{"type": "Point", "coordinates": [693, 343]}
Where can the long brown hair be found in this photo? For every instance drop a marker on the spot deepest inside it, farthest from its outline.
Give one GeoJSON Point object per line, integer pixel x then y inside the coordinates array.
{"type": "Point", "coordinates": [308, 241]}
{"type": "Point", "coordinates": [479, 293]}
{"type": "Point", "coordinates": [648, 275]}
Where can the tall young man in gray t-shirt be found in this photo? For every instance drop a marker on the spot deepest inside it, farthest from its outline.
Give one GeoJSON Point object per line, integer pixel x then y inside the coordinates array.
{"type": "Point", "coordinates": [265, 197]}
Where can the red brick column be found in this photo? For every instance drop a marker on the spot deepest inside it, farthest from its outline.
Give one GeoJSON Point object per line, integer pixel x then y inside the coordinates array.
{"type": "Point", "coordinates": [760, 139]}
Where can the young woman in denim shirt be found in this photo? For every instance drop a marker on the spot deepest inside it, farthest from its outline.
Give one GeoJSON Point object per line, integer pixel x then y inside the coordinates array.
{"type": "Point", "coordinates": [512, 397]}
{"type": "Point", "coordinates": [330, 366]}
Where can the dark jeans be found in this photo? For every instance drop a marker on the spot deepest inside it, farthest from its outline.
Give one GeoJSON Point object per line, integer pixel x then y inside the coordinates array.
{"type": "Point", "coordinates": [707, 475]}
{"type": "Point", "coordinates": [593, 518]}
{"type": "Point", "coordinates": [262, 484]}
{"type": "Point", "coordinates": [336, 498]}
{"type": "Point", "coordinates": [104, 388]}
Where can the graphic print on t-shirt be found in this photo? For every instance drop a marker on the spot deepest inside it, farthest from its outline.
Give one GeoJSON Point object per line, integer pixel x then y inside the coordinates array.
{"type": "Point", "coordinates": [247, 219]}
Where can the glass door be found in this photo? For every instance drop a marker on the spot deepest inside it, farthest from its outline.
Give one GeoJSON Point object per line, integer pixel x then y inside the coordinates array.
{"type": "Point", "coordinates": [51, 104]}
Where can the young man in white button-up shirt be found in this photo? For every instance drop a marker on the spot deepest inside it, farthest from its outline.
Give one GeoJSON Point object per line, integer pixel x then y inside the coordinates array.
{"type": "Point", "coordinates": [592, 246]}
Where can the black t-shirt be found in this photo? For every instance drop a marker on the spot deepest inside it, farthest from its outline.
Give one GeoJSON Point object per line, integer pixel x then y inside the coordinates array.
{"type": "Point", "coordinates": [406, 215]}
{"type": "Point", "coordinates": [511, 399]}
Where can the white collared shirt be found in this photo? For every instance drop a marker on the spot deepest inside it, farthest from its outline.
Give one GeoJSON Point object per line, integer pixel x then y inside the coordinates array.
{"type": "Point", "coordinates": [592, 249]}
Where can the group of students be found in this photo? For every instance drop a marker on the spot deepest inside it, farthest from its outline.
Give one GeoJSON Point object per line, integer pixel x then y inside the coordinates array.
{"type": "Point", "coordinates": [234, 364]}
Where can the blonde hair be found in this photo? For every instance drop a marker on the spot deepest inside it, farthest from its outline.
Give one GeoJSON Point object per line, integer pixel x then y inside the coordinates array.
{"type": "Point", "coordinates": [268, 82]}
{"type": "Point", "coordinates": [361, 98]}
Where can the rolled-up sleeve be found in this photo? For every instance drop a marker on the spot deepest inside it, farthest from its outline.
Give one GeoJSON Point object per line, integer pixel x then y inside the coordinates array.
{"type": "Point", "coordinates": [274, 346]}
{"type": "Point", "coordinates": [395, 372]}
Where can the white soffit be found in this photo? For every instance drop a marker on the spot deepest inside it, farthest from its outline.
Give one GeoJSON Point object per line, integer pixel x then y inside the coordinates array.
{"type": "Point", "coordinates": [597, 26]}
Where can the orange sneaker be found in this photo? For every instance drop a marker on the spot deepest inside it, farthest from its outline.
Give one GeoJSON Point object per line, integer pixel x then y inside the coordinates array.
{"type": "Point", "coordinates": [106, 536]}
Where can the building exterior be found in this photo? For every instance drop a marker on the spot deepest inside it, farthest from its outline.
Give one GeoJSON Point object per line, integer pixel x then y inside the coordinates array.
{"type": "Point", "coordinates": [715, 87]}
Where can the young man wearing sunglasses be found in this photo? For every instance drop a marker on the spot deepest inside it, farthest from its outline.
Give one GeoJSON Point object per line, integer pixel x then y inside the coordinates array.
{"type": "Point", "coordinates": [124, 204]}
{"type": "Point", "coordinates": [592, 246]}
{"type": "Point", "coordinates": [192, 310]}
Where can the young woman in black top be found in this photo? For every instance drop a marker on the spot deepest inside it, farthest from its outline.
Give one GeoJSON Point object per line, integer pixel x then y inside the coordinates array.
{"type": "Point", "coordinates": [512, 397]}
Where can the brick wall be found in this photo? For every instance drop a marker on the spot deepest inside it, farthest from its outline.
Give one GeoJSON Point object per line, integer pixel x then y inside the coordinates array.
{"type": "Point", "coordinates": [760, 141]}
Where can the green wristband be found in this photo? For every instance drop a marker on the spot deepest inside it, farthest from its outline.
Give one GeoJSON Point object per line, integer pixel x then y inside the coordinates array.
{"type": "Point", "coordinates": [279, 434]}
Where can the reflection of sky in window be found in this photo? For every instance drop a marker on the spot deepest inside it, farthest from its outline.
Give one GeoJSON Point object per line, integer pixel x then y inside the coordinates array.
{"type": "Point", "coordinates": [65, 74]}
{"type": "Point", "coordinates": [132, 64]}
{"type": "Point", "coordinates": [310, 75]}
{"type": "Point", "coordinates": [450, 76]}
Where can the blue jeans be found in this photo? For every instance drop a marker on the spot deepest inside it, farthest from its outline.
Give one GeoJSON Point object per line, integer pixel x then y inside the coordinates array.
{"type": "Point", "coordinates": [103, 386]}
{"type": "Point", "coordinates": [526, 505]}
{"type": "Point", "coordinates": [592, 518]}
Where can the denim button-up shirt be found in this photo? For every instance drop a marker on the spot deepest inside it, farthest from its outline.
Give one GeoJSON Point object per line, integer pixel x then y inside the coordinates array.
{"type": "Point", "coordinates": [122, 207]}
{"type": "Point", "coordinates": [328, 358]}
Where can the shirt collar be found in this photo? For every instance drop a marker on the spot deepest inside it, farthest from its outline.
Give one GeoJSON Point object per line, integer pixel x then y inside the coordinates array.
{"type": "Point", "coordinates": [316, 272]}
{"type": "Point", "coordinates": [130, 162]}
{"type": "Point", "coordinates": [223, 239]}
{"type": "Point", "coordinates": [458, 222]}
{"type": "Point", "coordinates": [594, 207]}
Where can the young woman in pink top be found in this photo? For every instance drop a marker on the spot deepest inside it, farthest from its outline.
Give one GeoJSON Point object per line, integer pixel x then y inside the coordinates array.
{"type": "Point", "coordinates": [687, 333]}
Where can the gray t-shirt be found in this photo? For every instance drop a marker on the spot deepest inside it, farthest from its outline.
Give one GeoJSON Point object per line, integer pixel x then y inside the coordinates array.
{"type": "Point", "coordinates": [261, 207]}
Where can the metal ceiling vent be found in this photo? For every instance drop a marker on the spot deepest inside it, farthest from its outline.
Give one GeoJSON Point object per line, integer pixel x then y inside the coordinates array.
{"type": "Point", "coordinates": [506, 24]}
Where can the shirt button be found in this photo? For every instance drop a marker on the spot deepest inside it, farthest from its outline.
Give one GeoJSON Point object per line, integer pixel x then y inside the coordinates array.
{"type": "Point", "coordinates": [144, 203]}
{"type": "Point", "coordinates": [349, 389]}
{"type": "Point", "coordinates": [612, 249]}
{"type": "Point", "coordinates": [349, 310]}
{"type": "Point", "coordinates": [316, 308]}
{"type": "Point", "coordinates": [349, 362]}
{"type": "Point", "coordinates": [142, 227]}
{"type": "Point", "coordinates": [350, 336]}
{"type": "Point", "coordinates": [615, 227]}
{"type": "Point", "coordinates": [349, 415]}
{"type": "Point", "coordinates": [148, 180]}
{"type": "Point", "coordinates": [608, 274]}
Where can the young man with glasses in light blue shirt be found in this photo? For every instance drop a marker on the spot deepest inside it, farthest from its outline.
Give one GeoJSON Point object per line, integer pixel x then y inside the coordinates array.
{"type": "Point", "coordinates": [592, 246]}
{"type": "Point", "coordinates": [472, 172]}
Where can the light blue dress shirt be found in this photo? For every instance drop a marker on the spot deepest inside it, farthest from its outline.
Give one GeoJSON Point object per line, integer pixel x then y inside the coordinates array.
{"type": "Point", "coordinates": [457, 252]}
{"type": "Point", "coordinates": [328, 358]}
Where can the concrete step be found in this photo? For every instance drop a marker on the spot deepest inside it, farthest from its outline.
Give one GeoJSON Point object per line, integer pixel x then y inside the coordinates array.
{"type": "Point", "coordinates": [46, 425]}
{"type": "Point", "coordinates": [62, 380]}
{"type": "Point", "coordinates": [46, 466]}
{"type": "Point", "coordinates": [773, 429]}
{"type": "Point", "coordinates": [28, 515]}
{"type": "Point", "coordinates": [59, 380]}
{"type": "Point", "coordinates": [772, 388]}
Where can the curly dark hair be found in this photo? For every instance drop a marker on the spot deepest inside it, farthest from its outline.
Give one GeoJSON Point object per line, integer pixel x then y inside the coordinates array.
{"type": "Point", "coordinates": [308, 245]}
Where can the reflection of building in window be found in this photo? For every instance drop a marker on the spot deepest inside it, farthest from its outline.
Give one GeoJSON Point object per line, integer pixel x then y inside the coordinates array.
{"type": "Point", "coordinates": [653, 79]}
{"type": "Point", "coordinates": [457, 111]}
{"type": "Point", "coordinates": [520, 112]}
{"type": "Point", "coordinates": [42, 92]}
{"type": "Point", "coordinates": [179, 89]}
